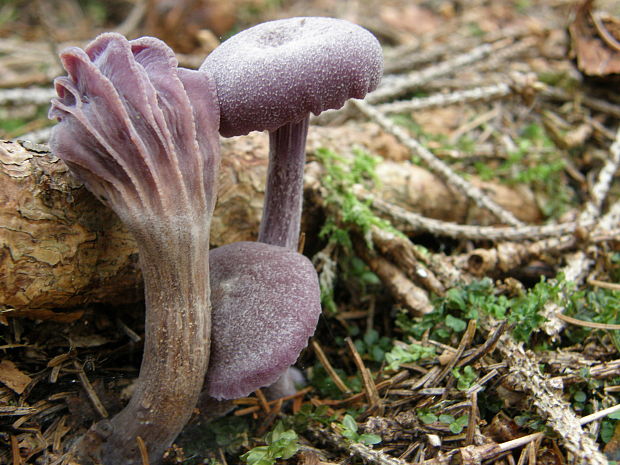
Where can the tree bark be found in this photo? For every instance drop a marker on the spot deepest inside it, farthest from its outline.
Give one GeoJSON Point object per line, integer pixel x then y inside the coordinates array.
{"type": "Point", "coordinates": [61, 248]}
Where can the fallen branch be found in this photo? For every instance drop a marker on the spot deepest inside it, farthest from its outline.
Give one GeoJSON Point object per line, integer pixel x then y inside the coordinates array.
{"type": "Point", "coordinates": [61, 248]}
{"type": "Point", "coordinates": [394, 86]}
{"type": "Point", "coordinates": [525, 372]}
{"type": "Point", "coordinates": [414, 222]}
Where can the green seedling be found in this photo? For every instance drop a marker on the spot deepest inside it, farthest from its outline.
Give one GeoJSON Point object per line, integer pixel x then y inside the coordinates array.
{"type": "Point", "coordinates": [465, 378]}
{"type": "Point", "coordinates": [411, 353]}
{"type": "Point", "coordinates": [456, 425]}
{"type": "Point", "coordinates": [280, 444]}
{"type": "Point", "coordinates": [308, 414]}
{"type": "Point", "coordinates": [349, 429]}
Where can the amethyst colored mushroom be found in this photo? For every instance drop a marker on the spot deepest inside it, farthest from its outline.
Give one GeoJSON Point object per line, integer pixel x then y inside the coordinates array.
{"type": "Point", "coordinates": [266, 304]}
{"type": "Point", "coordinates": [270, 77]}
{"type": "Point", "coordinates": [142, 135]}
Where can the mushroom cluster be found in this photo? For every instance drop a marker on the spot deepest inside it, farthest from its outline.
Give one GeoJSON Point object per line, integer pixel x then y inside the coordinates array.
{"type": "Point", "coordinates": [143, 135]}
{"type": "Point", "coordinates": [271, 77]}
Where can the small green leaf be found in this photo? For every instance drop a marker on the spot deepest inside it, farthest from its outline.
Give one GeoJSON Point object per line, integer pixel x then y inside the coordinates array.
{"type": "Point", "coordinates": [607, 430]}
{"type": "Point", "coordinates": [455, 428]}
{"type": "Point", "coordinates": [465, 379]}
{"type": "Point", "coordinates": [580, 396]}
{"type": "Point", "coordinates": [258, 456]}
{"type": "Point", "coordinates": [349, 423]}
{"type": "Point", "coordinates": [281, 444]}
{"type": "Point", "coordinates": [369, 439]}
{"type": "Point", "coordinates": [411, 353]}
{"type": "Point", "coordinates": [447, 419]}
{"type": "Point", "coordinates": [378, 354]}
{"type": "Point", "coordinates": [458, 424]}
{"type": "Point", "coordinates": [428, 418]}
{"type": "Point", "coordinates": [371, 337]}
{"type": "Point", "coordinates": [456, 324]}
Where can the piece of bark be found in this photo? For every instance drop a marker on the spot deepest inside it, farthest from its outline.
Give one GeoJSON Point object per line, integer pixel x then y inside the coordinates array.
{"type": "Point", "coordinates": [595, 41]}
{"type": "Point", "coordinates": [61, 248]}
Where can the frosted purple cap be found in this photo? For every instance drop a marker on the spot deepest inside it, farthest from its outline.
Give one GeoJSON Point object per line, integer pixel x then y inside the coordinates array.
{"type": "Point", "coordinates": [266, 304]}
{"type": "Point", "coordinates": [279, 71]}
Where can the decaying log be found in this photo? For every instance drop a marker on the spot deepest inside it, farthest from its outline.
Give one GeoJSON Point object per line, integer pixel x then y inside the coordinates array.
{"type": "Point", "coordinates": [60, 248]}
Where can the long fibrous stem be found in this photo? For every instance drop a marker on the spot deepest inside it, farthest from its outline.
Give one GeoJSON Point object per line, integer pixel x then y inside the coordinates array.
{"type": "Point", "coordinates": [281, 219]}
{"type": "Point", "coordinates": [175, 265]}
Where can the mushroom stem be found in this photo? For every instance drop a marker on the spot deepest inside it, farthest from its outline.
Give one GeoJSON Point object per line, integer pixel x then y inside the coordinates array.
{"type": "Point", "coordinates": [142, 134]}
{"type": "Point", "coordinates": [281, 219]}
{"type": "Point", "coordinates": [176, 351]}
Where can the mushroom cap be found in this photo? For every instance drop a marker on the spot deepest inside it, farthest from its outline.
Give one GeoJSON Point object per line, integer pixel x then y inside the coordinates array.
{"type": "Point", "coordinates": [140, 132]}
{"type": "Point", "coordinates": [279, 71]}
{"type": "Point", "coordinates": [266, 304]}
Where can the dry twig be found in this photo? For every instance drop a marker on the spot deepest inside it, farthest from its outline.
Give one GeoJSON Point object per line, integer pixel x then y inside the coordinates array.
{"type": "Point", "coordinates": [414, 222]}
{"type": "Point", "coordinates": [436, 165]}
{"type": "Point", "coordinates": [579, 263]}
{"type": "Point", "coordinates": [559, 414]}
{"type": "Point", "coordinates": [394, 86]}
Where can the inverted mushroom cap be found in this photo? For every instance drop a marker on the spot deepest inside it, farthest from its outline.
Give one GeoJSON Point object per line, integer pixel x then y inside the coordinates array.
{"type": "Point", "coordinates": [139, 131]}
{"type": "Point", "coordinates": [279, 71]}
{"type": "Point", "coordinates": [266, 304]}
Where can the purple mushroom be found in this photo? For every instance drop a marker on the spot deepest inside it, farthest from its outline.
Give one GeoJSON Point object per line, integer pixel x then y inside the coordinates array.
{"type": "Point", "coordinates": [271, 77]}
{"type": "Point", "coordinates": [266, 304]}
{"type": "Point", "coordinates": [142, 135]}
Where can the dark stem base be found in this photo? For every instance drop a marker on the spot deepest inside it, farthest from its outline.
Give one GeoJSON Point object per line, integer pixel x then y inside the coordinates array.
{"type": "Point", "coordinates": [175, 265]}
